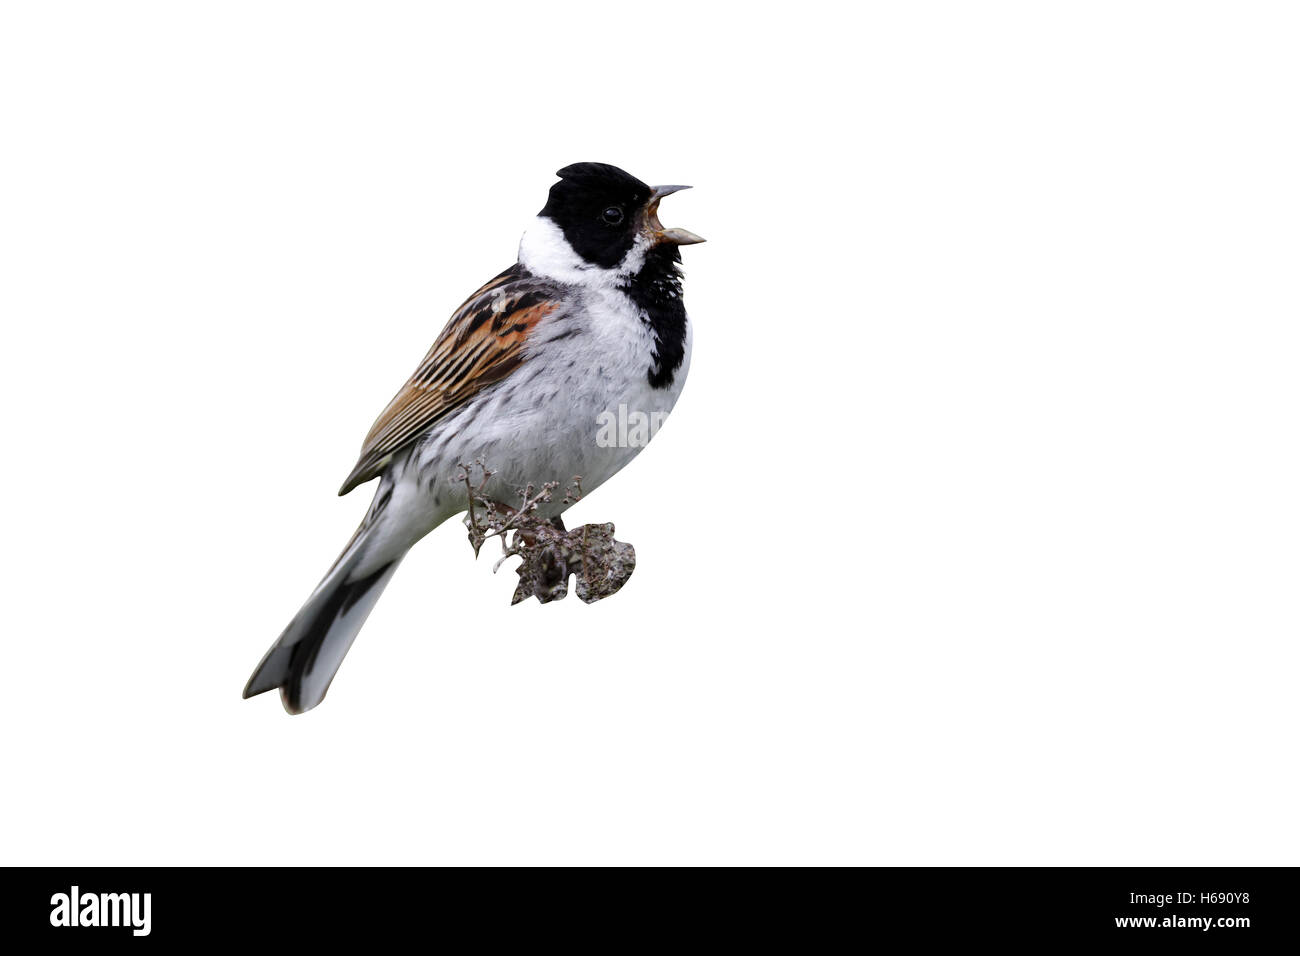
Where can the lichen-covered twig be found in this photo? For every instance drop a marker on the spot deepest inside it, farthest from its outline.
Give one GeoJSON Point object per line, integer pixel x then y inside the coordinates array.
{"type": "Point", "coordinates": [549, 554]}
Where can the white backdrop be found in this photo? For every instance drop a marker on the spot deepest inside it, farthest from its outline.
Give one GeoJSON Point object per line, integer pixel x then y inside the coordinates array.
{"type": "Point", "coordinates": [973, 538]}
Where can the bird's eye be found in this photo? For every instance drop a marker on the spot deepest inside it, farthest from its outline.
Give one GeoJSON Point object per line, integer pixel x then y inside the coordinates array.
{"type": "Point", "coordinates": [612, 215]}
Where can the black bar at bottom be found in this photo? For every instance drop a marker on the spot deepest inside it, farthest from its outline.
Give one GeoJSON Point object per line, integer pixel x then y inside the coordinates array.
{"type": "Point", "coordinates": [1237, 908]}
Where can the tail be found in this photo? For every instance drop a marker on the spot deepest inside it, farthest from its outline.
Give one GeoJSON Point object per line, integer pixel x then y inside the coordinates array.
{"type": "Point", "coordinates": [308, 654]}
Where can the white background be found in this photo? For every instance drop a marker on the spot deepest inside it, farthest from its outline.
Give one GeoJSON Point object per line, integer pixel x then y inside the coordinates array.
{"type": "Point", "coordinates": [973, 539]}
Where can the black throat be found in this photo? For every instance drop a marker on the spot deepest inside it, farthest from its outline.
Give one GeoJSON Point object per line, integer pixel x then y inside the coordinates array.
{"type": "Point", "coordinates": [657, 291]}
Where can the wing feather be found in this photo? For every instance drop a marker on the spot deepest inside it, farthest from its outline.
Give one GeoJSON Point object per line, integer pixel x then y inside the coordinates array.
{"type": "Point", "coordinates": [481, 345]}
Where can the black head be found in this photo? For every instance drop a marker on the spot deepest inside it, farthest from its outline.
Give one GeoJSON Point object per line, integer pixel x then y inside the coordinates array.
{"type": "Point", "coordinates": [601, 210]}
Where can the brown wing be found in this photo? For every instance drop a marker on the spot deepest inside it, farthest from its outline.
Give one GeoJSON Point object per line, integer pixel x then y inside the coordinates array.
{"type": "Point", "coordinates": [482, 344]}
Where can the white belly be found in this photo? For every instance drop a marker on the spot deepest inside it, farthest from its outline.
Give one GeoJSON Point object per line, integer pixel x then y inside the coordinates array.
{"type": "Point", "coordinates": [578, 406]}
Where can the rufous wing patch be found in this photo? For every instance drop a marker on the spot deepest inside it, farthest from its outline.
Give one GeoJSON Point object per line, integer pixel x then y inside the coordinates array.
{"type": "Point", "coordinates": [483, 343]}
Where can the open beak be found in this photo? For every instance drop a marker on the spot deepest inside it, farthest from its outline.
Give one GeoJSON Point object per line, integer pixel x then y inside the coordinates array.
{"type": "Point", "coordinates": [676, 237]}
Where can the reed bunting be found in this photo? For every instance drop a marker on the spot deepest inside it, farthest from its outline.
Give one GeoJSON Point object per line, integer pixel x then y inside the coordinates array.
{"type": "Point", "coordinates": [589, 319]}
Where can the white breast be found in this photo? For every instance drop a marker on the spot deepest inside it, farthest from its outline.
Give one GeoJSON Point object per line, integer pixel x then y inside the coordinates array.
{"type": "Point", "coordinates": [586, 369]}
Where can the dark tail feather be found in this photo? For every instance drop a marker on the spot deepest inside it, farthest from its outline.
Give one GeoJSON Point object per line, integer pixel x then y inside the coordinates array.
{"type": "Point", "coordinates": [308, 654]}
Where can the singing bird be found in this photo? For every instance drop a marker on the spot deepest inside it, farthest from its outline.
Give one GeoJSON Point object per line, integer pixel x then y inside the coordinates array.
{"type": "Point", "coordinates": [588, 321]}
